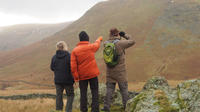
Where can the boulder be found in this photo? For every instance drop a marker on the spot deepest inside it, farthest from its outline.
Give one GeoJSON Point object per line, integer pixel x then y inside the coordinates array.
{"type": "Point", "coordinates": [102, 92]}
{"type": "Point", "coordinates": [188, 94]}
{"type": "Point", "coordinates": [156, 82]}
{"type": "Point", "coordinates": [117, 99]}
{"type": "Point", "coordinates": [157, 96]}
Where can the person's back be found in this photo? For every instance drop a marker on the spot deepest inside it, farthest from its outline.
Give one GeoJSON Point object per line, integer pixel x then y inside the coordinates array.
{"type": "Point", "coordinates": [63, 78]}
{"type": "Point", "coordinates": [61, 68]}
{"type": "Point", "coordinates": [83, 63]}
{"type": "Point", "coordinates": [85, 58]}
{"type": "Point", "coordinates": [85, 70]}
{"type": "Point", "coordinates": [117, 73]}
{"type": "Point", "coordinates": [121, 46]}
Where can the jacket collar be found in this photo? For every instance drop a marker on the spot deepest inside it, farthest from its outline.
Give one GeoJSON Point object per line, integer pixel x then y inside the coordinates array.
{"type": "Point", "coordinates": [83, 43]}
{"type": "Point", "coordinates": [114, 38]}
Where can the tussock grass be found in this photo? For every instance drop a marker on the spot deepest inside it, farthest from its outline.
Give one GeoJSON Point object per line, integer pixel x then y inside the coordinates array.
{"type": "Point", "coordinates": [36, 105]}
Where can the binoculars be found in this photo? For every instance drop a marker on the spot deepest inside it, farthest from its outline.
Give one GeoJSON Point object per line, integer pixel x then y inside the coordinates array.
{"type": "Point", "coordinates": [122, 34]}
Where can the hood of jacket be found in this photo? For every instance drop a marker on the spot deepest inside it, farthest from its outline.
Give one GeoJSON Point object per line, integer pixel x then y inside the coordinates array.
{"type": "Point", "coordinates": [61, 53]}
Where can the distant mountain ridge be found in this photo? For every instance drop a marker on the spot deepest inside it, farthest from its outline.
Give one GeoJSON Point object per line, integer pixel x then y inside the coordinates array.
{"type": "Point", "coordinates": [17, 36]}
{"type": "Point", "coordinates": [166, 41]}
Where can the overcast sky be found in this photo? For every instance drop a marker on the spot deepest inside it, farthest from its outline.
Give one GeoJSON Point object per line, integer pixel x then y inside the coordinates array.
{"type": "Point", "coordinates": [42, 11]}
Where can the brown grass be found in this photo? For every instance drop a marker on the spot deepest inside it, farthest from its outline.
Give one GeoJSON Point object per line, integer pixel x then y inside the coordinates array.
{"type": "Point", "coordinates": [48, 105]}
{"type": "Point", "coordinates": [132, 86]}
{"type": "Point", "coordinates": [137, 17]}
{"type": "Point", "coordinates": [36, 105]}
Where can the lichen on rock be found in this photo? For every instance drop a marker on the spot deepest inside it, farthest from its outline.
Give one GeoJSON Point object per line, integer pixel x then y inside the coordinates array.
{"type": "Point", "coordinates": [156, 82]}
{"type": "Point", "coordinates": [116, 99]}
{"type": "Point", "coordinates": [189, 95]}
{"type": "Point", "coordinates": [158, 96]}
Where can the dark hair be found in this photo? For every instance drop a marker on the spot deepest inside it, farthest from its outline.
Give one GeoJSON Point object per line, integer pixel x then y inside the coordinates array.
{"type": "Point", "coordinates": [114, 32]}
{"type": "Point", "coordinates": [83, 36]}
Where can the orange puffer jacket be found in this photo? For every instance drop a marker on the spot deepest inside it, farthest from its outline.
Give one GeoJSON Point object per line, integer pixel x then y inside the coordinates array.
{"type": "Point", "coordinates": [83, 63]}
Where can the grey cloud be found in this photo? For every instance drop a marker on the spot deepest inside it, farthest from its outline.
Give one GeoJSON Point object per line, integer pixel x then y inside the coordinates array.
{"type": "Point", "coordinates": [46, 8]}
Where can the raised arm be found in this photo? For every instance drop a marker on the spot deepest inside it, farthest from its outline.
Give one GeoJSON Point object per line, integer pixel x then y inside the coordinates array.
{"type": "Point", "coordinates": [127, 43]}
{"type": "Point", "coordinates": [96, 45]}
{"type": "Point", "coordinates": [74, 67]}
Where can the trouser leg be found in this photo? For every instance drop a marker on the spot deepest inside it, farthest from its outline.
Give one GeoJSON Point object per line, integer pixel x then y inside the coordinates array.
{"type": "Point", "coordinates": [123, 86]}
{"type": "Point", "coordinates": [110, 88]}
{"type": "Point", "coordinates": [70, 98]}
{"type": "Point", "coordinates": [59, 97]}
{"type": "Point", "coordinates": [83, 85]}
{"type": "Point", "coordinates": [94, 86]}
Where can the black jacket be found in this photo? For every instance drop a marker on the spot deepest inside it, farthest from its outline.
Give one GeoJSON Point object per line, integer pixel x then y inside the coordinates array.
{"type": "Point", "coordinates": [60, 64]}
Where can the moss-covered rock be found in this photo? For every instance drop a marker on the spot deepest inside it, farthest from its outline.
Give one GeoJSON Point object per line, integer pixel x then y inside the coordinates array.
{"type": "Point", "coordinates": [102, 92]}
{"type": "Point", "coordinates": [156, 82]}
{"type": "Point", "coordinates": [157, 96]}
{"type": "Point", "coordinates": [188, 94]}
{"type": "Point", "coordinates": [117, 99]}
{"type": "Point", "coordinates": [151, 101]}
{"type": "Point", "coordinates": [163, 102]}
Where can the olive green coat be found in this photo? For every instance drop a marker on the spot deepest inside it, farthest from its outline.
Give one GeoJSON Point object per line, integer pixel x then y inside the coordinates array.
{"type": "Point", "coordinates": [118, 73]}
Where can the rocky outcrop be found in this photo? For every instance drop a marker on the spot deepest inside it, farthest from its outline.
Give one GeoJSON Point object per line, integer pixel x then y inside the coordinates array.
{"type": "Point", "coordinates": [102, 92]}
{"type": "Point", "coordinates": [117, 99]}
{"type": "Point", "coordinates": [158, 96]}
{"type": "Point", "coordinates": [189, 95]}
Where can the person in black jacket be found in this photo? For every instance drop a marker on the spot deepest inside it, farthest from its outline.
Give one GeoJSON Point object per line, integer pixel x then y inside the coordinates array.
{"type": "Point", "coordinates": [63, 78]}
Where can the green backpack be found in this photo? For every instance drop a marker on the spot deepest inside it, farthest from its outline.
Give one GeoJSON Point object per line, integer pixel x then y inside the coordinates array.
{"type": "Point", "coordinates": [110, 55]}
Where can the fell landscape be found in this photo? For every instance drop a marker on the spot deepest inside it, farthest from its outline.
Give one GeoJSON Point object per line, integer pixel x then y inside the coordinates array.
{"type": "Point", "coordinates": [18, 36]}
{"type": "Point", "coordinates": [167, 39]}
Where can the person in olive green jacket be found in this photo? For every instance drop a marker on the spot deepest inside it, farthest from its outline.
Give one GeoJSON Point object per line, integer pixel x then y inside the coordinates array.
{"type": "Point", "coordinates": [117, 74]}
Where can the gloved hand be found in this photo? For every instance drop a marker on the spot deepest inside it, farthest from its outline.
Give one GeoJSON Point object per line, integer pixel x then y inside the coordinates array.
{"type": "Point", "coordinates": [100, 38]}
{"type": "Point", "coordinates": [122, 34]}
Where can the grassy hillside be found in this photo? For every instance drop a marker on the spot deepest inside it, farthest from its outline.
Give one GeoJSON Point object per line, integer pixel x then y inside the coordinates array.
{"type": "Point", "coordinates": [12, 37]}
{"type": "Point", "coordinates": [166, 35]}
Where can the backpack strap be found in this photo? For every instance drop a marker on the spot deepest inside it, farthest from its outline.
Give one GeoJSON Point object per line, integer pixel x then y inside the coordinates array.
{"type": "Point", "coordinates": [115, 41]}
{"type": "Point", "coordinates": [106, 42]}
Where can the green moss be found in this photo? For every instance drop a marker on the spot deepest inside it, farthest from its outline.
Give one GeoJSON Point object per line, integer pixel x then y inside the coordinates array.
{"type": "Point", "coordinates": [116, 109]}
{"type": "Point", "coordinates": [138, 98]}
{"type": "Point", "coordinates": [187, 85]}
{"type": "Point", "coordinates": [113, 108]}
{"type": "Point", "coordinates": [180, 101]}
{"type": "Point", "coordinates": [163, 102]}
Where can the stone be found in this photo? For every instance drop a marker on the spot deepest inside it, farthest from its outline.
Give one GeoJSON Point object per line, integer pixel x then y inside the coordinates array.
{"type": "Point", "coordinates": [157, 96]}
{"type": "Point", "coordinates": [117, 99]}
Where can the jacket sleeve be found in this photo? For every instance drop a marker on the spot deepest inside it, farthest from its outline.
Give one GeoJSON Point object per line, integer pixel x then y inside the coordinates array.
{"type": "Point", "coordinates": [74, 67]}
{"type": "Point", "coordinates": [96, 45]}
{"type": "Point", "coordinates": [126, 43]}
{"type": "Point", "coordinates": [52, 66]}
{"type": "Point", "coordinates": [69, 60]}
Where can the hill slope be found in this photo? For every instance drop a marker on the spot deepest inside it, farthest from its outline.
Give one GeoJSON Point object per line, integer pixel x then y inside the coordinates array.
{"type": "Point", "coordinates": [17, 36]}
{"type": "Point", "coordinates": [164, 45]}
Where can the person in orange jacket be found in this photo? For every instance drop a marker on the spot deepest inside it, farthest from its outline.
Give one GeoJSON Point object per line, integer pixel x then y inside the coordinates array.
{"type": "Point", "coordinates": [85, 70]}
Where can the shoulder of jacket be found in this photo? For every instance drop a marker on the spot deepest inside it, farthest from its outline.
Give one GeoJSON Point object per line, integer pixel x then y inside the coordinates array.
{"type": "Point", "coordinates": [54, 57]}
{"type": "Point", "coordinates": [122, 42]}
{"type": "Point", "coordinates": [75, 49]}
